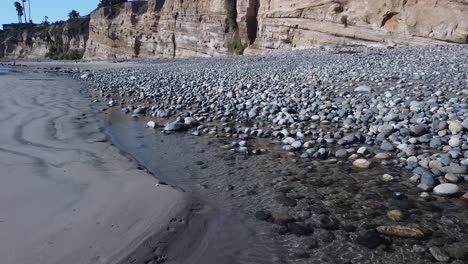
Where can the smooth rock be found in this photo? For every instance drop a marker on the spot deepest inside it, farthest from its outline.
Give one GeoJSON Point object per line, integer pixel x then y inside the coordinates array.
{"type": "Point", "coordinates": [363, 89]}
{"type": "Point", "coordinates": [151, 124]}
{"type": "Point", "coordinates": [175, 126]}
{"type": "Point", "coordinates": [446, 189]}
{"type": "Point", "coordinates": [438, 254]}
{"type": "Point", "coordinates": [361, 163]}
{"type": "Point", "coordinates": [401, 231]}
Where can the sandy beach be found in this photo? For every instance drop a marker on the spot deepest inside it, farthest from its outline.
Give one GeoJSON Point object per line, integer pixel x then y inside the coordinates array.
{"type": "Point", "coordinates": [66, 194]}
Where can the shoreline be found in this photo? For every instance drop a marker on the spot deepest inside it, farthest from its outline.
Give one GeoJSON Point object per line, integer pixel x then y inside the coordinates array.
{"type": "Point", "coordinates": [85, 201]}
{"type": "Point", "coordinates": [319, 208]}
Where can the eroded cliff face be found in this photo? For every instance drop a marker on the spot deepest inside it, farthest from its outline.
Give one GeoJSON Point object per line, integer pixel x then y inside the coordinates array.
{"type": "Point", "coordinates": [302, 23]}
{"type": "Point", "coordinates": [63, 39]}
{"type": "Point", "coordinates": [159, 28]}
{"type": "Point", "coordinates": [180, 28]}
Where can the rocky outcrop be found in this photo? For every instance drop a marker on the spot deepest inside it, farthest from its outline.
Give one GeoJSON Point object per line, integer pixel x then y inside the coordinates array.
{"type": "Point", "coordinates": [170, 28]}
{"type": "Point", "coordinates": [62, 40]}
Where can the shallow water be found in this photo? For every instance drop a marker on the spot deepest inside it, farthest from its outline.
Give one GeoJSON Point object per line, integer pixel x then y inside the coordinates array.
{"type": "Point", "coordinates": [217, 231]}
{"type": "Point", "coordinates": [4, 70]}
{"type": "Point", "coordinates": [229, 188]}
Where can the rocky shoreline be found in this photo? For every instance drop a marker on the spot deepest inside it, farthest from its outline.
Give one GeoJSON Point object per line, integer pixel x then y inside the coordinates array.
{"type": "Point", "coordinates": [389, 125]}
{"type": "Point", "coordinates": [347, 155]}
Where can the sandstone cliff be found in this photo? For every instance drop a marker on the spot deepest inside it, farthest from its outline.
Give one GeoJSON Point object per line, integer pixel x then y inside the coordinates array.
{"type": "Point", "coordinates": [182, 28]}
{"type": "Point", "coordinates": [62, 40]}
{"type": "Point", "coordinates": [175, 28]}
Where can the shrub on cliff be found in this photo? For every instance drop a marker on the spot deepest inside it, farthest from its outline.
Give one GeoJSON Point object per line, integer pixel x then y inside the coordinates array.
{"type": "Point", "coordinates": [111, 3]}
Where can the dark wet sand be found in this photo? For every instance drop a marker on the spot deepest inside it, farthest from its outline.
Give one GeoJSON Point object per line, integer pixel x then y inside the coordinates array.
{"type": "Point", "coordinates": [66, 194]}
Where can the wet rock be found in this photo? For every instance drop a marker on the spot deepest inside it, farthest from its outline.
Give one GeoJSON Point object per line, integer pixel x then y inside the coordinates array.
{"type": "Point", "coordinates": [439, 254]}
{"type": "Point", "coordinates": [370, 239]}
{"type": "Point", "coordinates": [286, 201]}
{"type": "Point", "coordinates": [190, 121]}
{"type": "Point", "coordinates": [140, 111]}
{"type": "Point", "coordinates": [458, 250]}
{"type": "Point", "coordinates": [175, 126]}
{"type": "Point", "coordinates": [395, 215]}
{"type": "Point", "coordinates": [401, 231]}
{"type": "Point", "coordinates": [281, 217]}
{"type": "Point", "coordinates": [262, 215]}
{"type": "Point", "coordinates": [300, 229]}
{"type": "Point", "coordinates": [151, 124]}
{"type": "Point", "coordinates": [446, 189]}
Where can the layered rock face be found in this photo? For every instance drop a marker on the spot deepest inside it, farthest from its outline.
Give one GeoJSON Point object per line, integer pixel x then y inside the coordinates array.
{"type": "Point", "coordinates": [174, 28]}
{"type": "Point", "coordinates": [158, 28]}
{"type": "Point", "coordinates": [182, 28]}
{"type": "Point", "coordinates": [39, 41]}
{"type": "Point", "coordinates": [303, 23]}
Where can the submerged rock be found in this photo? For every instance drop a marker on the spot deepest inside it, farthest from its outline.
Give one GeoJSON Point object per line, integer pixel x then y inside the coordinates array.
{"type": "Point", "coordinates": [401, 231]}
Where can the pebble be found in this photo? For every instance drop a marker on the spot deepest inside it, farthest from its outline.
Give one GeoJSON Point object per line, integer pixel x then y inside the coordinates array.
{"type": "Point", "coordinates": [395, 215]}
{"type": "Point", "coordinates": [387, 177]}
{"type": "Point", "coordinates": [363, 89]}
{"type": "Point", "coordinates": [151, 124]}
{"type": "Point", "coordinates": [446, 189]}
{"type": "Point", "coordinates": [361, 163]}
{"type": "Point", "coordinates": [401, 231]}
{"type": "Point", "coordinates": [455, 127]}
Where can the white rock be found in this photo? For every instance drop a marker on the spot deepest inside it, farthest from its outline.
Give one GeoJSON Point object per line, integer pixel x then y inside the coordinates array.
{"type": "Point", "coordinates": [387, 177]}
{"type": "Point", "coordinates": [151, 124]}
{"type": "Point", "coordinates": [446, 189]}
{"type": "Point", "coordinates": [455, 141]}
{"type": "Point", "coordinates": [361, 163]}
{"type": "Point", "coordinates": [363, 89]}
{"type": "Point", "coordinates": [288, 140]}
{"type": "Point", "coordinates": [455, 127]}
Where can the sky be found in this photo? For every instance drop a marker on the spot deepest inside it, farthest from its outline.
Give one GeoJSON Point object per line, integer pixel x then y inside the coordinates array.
{"type": "Point", "coordinates": [54, 9]}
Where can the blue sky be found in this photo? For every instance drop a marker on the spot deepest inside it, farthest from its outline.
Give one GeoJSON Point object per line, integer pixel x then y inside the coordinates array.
{"type": "Point", "coordinates": [54, 9]}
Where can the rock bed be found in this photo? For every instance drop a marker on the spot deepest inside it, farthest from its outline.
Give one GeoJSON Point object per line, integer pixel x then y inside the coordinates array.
{"type": "Point", "coordinates": [355, 111]}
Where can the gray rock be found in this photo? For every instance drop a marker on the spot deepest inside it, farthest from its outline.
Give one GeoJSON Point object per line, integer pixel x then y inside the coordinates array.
{"type": "Point", "coordinates": [419, 130]}
{"type": "Point", "coordinates": [341, 153]}
{"type": "Point", "coordinates": [446, 189]}
{"type": "Point", "coordinates": [439, 255]}
{"type": "Point", "coordinates": [176, 127]}
{"type": "Point", "coordinates": [387, 146]}
{"type": "Point", "coordinates": [363, 89]}
{"type": "Point", "coordinates": [296, 145]}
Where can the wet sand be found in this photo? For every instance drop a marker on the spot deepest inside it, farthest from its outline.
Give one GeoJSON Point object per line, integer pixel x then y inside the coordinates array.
{"type": "Point", "coordinates": [66, 194]}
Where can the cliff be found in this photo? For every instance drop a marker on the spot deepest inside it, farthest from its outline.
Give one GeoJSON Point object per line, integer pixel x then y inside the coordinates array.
{"type": "Point", "coordinates": [174, 28]}
{"type": "Point", "coordinates": [66, 40]}
{"type": "Point", "coordinates": [182, 28]}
